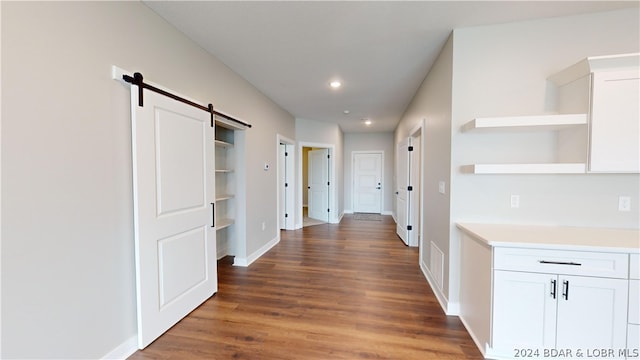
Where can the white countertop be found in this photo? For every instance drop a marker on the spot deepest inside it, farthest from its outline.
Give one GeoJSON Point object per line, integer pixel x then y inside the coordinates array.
{"type": "Point", "coordinates": [555, 237]}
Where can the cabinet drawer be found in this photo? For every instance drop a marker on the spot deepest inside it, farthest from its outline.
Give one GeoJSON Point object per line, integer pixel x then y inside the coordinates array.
{"type": "Point", "coordinates": [611, 265]}
{"type": "Point", "coordinates": [634, 266]}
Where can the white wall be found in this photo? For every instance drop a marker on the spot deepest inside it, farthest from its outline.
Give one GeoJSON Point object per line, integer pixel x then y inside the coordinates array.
{"type": "Point", "coordinates": [502, 70]}
{"type": "Point", "coordinates": [68, 287]}
{"type": "Point", "coordinates": [370, 142]}
{"type": "Point", "coordinates": [317, 133]}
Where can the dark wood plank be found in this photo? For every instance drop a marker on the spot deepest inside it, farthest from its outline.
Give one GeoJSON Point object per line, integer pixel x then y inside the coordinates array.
{"type": "Point", "coordinates": [347, 291]}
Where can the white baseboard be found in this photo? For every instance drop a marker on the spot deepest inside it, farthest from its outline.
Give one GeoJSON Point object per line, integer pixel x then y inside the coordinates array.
{"type": "Point", "coordinates": [123, 350]}
{"type": "Point", "coordinates": [222, 253]}
{"type": "Point", "coordinates": [480, 347]}
{"type": "Point", "coordinates": [244, 262]}
{"type": "Point", "coordinates": [449, 309]}
{"type": "Point", "coordinates": [385, 212]}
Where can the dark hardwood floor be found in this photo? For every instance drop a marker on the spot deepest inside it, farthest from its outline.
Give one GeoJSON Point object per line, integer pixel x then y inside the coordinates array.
{"type": "Point", "coordinates": [347, 291]}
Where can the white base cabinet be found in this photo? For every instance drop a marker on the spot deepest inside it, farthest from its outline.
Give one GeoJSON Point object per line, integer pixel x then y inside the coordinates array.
{"type": "Point", "coordinates": [550, 300]}
{"type": "Point", "coordinates": [592, 313]}
{"type": "Point", "coordinates": [548, 311]}
{"type": "Point", "coordinates": [524, 311]}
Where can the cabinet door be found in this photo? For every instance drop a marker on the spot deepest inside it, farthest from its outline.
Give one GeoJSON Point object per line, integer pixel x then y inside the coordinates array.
{"type": "Point", "coordinates": [615, 122]}
{"type": "Point", "coordinates": [592, 313]}
{"type": "Point", "coordinates": [524, 311]}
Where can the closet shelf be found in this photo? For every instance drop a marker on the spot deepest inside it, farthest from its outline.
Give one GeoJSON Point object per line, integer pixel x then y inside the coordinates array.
{"type": "Point", "coordinates": [526, 123]}
{"type": "Point", "coordinates": [223, 197]}
{"type": "Point", "coordinates": [223, 223]}
{"type": "Point", "coordinates": [552, 168]}
{"type": "Point", "coordinates": [224, 171]}
{"type": "Point", "coordinates": [223, 144]}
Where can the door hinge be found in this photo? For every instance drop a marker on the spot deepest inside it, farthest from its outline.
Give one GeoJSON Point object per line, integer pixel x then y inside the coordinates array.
{"type": "Point", "coordinates": [286, 215]}
{"type": "Point", "coordinates": [328, 156]}
{"type": "Point", "coordinates": [286, 153]}
{"type": "Point", "coordinates": [409, 188]}
{"type": "Point", "coordinates": [409, 227]}
{"type": "Point", "coordinates": [410, 148]}
{"type": "Point", "coordinates": [328, 183]}
{"type": "Point", "coordinates": [286, 185]}
{"type": "Point", "coordinates": [328, 210]}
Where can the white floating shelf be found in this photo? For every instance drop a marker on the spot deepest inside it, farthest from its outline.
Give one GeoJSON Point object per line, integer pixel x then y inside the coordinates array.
{"type": "Point", "coordinates": [536, 122]}
{"type": "Point", "coordinates": [556, 168]}
{"type": "Point", "coordinates": [224, 170]}
{"type": "Point", "coordinates": [223, 223]}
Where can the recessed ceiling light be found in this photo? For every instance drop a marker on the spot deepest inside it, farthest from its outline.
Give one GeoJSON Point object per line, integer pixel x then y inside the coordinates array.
{"type": "Point", "coordinates": [367, 122]}
{"type": "Point", "coordinates": [335, 84]}
{"type": "Point", "coordinates": [346, 112]}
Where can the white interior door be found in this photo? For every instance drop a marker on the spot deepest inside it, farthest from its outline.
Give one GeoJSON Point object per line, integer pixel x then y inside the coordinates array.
{"type": "Point", "coordinates": [318, 187]}
{"type": "Point", "coordinates": [173, 188]}
{"type": "Point", "coordinates": [414, 194]}
{"type": "Point", "coordinates": [403, 165]}
{"type": "Point", "coordinates": [367, 182]}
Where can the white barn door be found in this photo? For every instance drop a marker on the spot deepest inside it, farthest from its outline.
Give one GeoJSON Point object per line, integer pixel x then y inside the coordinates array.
{"type": "Point", "coordinates": [173, 188]}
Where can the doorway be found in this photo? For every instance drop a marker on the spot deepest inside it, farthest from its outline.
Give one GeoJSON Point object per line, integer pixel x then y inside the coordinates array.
{"type": "Point", "coordinates": [316, 192]}
{"type": "Point", "coordinates": [286, 184]}
{"type": "Point", "coordinates": [409, 188]}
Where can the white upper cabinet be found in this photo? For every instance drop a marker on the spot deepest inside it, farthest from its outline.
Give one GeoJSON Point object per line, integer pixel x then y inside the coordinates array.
{"type": "Point", "coordinates": [608, 89]}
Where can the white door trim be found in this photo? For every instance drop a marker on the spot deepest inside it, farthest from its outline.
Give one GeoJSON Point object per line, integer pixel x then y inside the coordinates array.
{"type": "Point", "coordinates": [353, 177]}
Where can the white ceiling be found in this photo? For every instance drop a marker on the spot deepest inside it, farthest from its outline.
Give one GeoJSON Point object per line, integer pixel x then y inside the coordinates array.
{"type": "Point", "coordinates": [381, 51]}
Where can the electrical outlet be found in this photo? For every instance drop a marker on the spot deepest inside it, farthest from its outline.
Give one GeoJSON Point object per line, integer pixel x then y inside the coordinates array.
{"type": "Point", "coordinates": [264, 226]}
{"type": "Point", "coordinates": [624, 203]}
{"type": "Point", "coordinates": [441, 187]}
{"type": "Point", "coordinates": [515, 201]}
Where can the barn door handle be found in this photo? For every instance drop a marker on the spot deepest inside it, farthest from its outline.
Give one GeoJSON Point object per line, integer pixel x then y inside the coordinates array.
{"type": "Point", "coordinates": [213, 215]}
